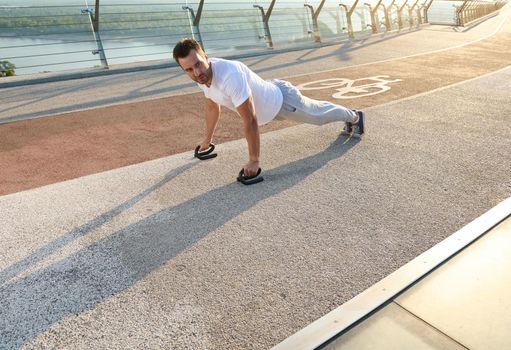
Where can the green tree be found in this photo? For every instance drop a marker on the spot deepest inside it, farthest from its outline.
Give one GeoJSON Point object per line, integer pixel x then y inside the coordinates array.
{"type": "Point", "coordinates": [6, 69]}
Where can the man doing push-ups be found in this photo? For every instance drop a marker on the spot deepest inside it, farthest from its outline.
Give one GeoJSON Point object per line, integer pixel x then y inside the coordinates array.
{"type": "Point", "coordinates": [233, 85]}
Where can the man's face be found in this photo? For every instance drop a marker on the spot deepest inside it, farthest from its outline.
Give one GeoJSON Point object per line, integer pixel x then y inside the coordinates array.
{"type": "Point", "coordinates": [197, 67]}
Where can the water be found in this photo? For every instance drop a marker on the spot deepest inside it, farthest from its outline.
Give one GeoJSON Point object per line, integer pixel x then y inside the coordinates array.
{"type": "Point", "coordinates": [31, 40]}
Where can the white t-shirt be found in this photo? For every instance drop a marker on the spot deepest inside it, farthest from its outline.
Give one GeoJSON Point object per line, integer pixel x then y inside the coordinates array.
{"type": "Point", "coordinates": [232, 84]}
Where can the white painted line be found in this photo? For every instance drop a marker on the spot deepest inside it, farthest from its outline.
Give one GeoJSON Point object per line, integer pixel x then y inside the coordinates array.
{"type": "Point", "coordinates": [347, 90]}
{"type": "Point", "coordinates": [346, 315]}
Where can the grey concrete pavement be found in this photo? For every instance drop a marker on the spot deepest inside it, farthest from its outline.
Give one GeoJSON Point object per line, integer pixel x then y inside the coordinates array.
{"type": "Point", "coordinates": [25, 102]}
{"type": "Point", "coordinates": [173, 253]}
{"type": "Point", "coordinates": [462, 304]}
{"type": "Point", "coordinates": [453, 296]}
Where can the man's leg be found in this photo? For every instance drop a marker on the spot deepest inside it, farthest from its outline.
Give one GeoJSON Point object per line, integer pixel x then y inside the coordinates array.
{"type": "Point", "coordinates": [307, 110]}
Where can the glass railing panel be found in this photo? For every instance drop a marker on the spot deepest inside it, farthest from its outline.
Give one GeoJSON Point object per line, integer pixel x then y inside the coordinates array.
{"type": "Point", "coordinates": [132, 31]}
{"type": "Point", "coordinates": [45, 38]}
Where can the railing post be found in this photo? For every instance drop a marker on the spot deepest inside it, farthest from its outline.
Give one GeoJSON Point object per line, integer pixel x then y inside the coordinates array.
{"type": "Point", "coordinates": [410, 16]}
{"type": "Point", "coordinates": [388, 11]}
{"type": "Point", "coordinates": [397, 14]}
{"type": "Point", "coordinates": [94, 22]}
{"type": "Point", "coordinates": [410, 13]}
{"type": "Point", "coordinates": [315, 15]}
{"type": "Point", "coordinates": [374, 25]}
{"type": "Point", "coordinates": [426, 9]}
{"type": "Point", "coordinates": [315, 29]}
{"type": "Point", "coordinates": [472, 10]}
{"type": "Point", "coordinates": [194, 20]}
{"type": "Point", "coordinates": [387, 19]}
{"type": "Point", "coordinates": [348, 17]}
{"type": "Point", "coordinates": [459, 14]}
{"type": "Point", "coordinates": [373, 21]}
{"type": "Point", "coordinates": [419, 13]}
{"type": "Point", "coordinates": [266, 19]}
{"type": "Point", "coordinates": [348, 21]}
{"type": "Point", "coordinates": [399, 17]}
{"type": "Point", "coordinates": [477, 10]}
{"type": "Point", "coordinates": [467, 12]}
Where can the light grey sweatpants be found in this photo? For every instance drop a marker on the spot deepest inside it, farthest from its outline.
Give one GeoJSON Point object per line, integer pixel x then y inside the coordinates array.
{"type": "Point", "coordinates": [303, 109]}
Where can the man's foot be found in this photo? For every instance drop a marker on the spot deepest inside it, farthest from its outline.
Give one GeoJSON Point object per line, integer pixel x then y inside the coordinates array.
{"type": "Point", "coordinates": [356, 127]}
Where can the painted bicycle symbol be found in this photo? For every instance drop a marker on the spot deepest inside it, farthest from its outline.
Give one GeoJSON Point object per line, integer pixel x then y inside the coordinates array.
{"type": "Point", "coordinates": [348, 88]}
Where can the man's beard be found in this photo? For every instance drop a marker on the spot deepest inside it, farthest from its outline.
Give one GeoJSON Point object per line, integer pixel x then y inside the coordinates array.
{"type": "Point", "coordinates": [202, 79]}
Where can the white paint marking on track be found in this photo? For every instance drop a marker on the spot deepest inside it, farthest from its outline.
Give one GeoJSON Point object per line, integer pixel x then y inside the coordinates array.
{"type": "Point", "coordinates": [348, 88]}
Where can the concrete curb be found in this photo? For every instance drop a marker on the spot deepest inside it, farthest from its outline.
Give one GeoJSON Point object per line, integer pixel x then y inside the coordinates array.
{"type": "Point", "coordinates": [372, 299]}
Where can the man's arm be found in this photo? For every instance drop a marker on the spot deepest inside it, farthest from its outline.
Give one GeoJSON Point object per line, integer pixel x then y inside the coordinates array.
{"type": "Point", "coordinates": [251, 130]}
{"type": "Point", "coordinates": [212, 113]}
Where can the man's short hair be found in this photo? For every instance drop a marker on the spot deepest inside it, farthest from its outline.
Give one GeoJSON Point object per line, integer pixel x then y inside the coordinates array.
{"type": "Point", "coordinates": [183, 48]}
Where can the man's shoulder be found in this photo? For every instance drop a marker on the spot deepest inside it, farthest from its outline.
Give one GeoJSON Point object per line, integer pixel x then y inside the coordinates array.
{"type": "Point", "coordinates": [227, 71]}
{"type": "Point", "coordinates": [226, 64]}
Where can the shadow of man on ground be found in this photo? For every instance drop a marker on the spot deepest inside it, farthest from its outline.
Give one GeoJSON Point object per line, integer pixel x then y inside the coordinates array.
{"type": "Point", "coordinates": [81, 281]}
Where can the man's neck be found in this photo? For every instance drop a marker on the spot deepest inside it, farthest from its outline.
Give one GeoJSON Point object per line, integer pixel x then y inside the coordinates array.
{"type": "Point", "coordinates": [208, 84]}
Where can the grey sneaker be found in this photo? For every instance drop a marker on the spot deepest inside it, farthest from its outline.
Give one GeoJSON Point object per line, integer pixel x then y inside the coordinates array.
{"type": "Point", "coordinates": [355, 128]}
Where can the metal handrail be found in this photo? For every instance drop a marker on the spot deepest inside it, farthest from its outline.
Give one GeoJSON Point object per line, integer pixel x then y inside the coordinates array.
{"type": "Point", "coordinates": [387, 12]}
{"type": "Point", "coordinates": [123, 32]}
{"type": "Point", "coordinates": [349, 13]}
{"type": "Point", "coordinates": [459, 13]}
{"type": "Point", "coordinates": [426, 9]}
{"type": "Point", "coordinates": [194, 20]}
{"type": "Point", "coordinates": [399, 11]}
{"type": "Point", "coordinates": [472, 10]}
{"type": "Point", "coordinates": [315, 15]}
{"type": "Point", "coordinates": [374, 26]}
{"type": "Point", "coordinates": [93, 15]}
{"type": "Point", "coordinates": [265, 15]}
{"type": "Point", "coordinates": [420, 12]}
{"type": "Point", "coordinates": [410, 13]}
{"type": "Point", "coordinates": [397, 20]}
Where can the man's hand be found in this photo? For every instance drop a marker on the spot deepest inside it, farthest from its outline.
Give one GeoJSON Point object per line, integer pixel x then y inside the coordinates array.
{"type": "Point", "coordinates": [251, 168]}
